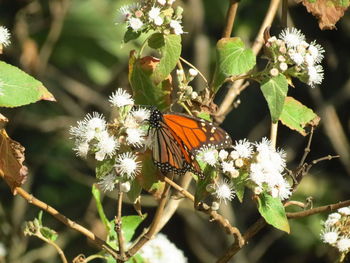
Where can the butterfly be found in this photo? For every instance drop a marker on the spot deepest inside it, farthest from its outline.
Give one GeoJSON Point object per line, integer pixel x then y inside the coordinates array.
{"type": "Point", "coordinates": [178, 137]}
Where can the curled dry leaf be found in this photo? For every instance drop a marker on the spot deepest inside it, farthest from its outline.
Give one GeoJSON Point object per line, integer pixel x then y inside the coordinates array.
{"type": "Point", "coordinates": [327, 12]}
{"type": "Point", "coordinates": [11, 161]}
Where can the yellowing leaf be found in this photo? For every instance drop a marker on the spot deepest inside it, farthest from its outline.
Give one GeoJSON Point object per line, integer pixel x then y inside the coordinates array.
{"type": "Point", "coordinates": [11, 161]}
{"type": "Point", "coordinates": [328, 12]}
{"type": "Point", "coordinates": [297, 116]}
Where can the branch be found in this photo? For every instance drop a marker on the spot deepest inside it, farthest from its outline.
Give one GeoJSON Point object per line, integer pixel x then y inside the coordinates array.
{"type": "Point", "coordinates": [118, 225]}
{"type": "Point", "coordinates": [230, 18]}
{"type": "Point", "coordinates": [153, 228]}
{"type": "Point", "coordinates": [49, 209]}
{"type": "Point", "coordinates": [213, 214]}
{"type": "Point", "coordinates": [236, 89]}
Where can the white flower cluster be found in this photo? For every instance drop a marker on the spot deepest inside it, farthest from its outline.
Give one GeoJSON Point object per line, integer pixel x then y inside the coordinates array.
{"type": "Point", "coordinates": [336, 230]}
{"type": "Point", "coordinates": [93, 135]}
{"type": "Point", "coordinates": [4, 36]}
{"type": "Point", "coordinates": [260, 162]}
{"type": "Point", "coordinates": [161, 250]}
{"type": "Point", "coordinates": [292, 55]}
{"type": "Point", "coordinates": [186, 93]}
{"type": "Point", "coordinates": [152, 15]}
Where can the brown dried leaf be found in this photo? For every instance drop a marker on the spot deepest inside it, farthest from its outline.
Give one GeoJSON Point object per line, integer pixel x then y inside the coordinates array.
{"type": "Point", "coordinates": [327, 12]}
{"type": "Point", "coordinates": [11, 161]}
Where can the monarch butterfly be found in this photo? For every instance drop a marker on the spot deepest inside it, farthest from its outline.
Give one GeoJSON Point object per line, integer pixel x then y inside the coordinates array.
{"type": "Point", "coordinates": [177, 137]}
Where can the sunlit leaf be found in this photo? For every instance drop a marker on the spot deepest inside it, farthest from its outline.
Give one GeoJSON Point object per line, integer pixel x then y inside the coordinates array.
{"type": "Point", "coordinates": [239, 184]}
{"type": "Point", "coordinates": [17, 88]}
{"type": "Point", "coordinates": [272, 210]}
{"type": "Point", "coordinates": [97, 196]}
{"type": "Point", "coordinates": [232, 59]}
{"type": "Point", "coordinates": [297, 116]}
{"type": "Point", "coordinates": [275, 91]}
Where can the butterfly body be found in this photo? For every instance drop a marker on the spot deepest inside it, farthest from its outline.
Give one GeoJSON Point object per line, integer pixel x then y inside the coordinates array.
{"type": "Point", "coordinates": [178, 137]}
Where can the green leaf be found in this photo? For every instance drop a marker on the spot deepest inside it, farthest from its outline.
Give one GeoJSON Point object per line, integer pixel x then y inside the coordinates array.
{"type": "Point", "coordinates": [170, 54]}
{"type": "Point", "coordinates": [272, 210]}
{"type": "Point", "coordinates": [275, 91]}
{"type": "Point", "coordinates": [297, 116]}
{"type": "Point", "coordinates": [156, 41]}
{"type": "Point", "coordinates": [17, 88]}
{"type": "Point", "coordinates": [145, 91]}
{"type": "Point", "coordinates": [135, 191]}
{"type": "Point", "coordinates": [97, 196]}
{"type": "Point", "coordinates": [201, 193]}
{"type": "Point", "coordinates": [49, 233]}
{"type": "Point", "coordinates": [232, 59]}
{"type": "Point", "coordinates": [150, 177]}
{"type": "Point", "coordinates": [239, 184]}
{"type": "Point", "coordinates": [104, 167]}
{"type": "Point", "coordinates": [129, 225]}
{"type": "Point", "coordinates": [130, 34]}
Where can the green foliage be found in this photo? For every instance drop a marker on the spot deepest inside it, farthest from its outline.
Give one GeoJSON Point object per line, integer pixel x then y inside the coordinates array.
{"type": "Point", "coordinates": [46, 231]}
{"type": "Point", "coordinates": [201, 189]}
{"type": "Point", "coordinates": [17, 88]}
{"type": "Point", "coordinates": [104, 167]}
{"type": "Point", "coordinates": [296, 116]}
{"type": "Point", "coordinates": [232, 59]}
{"type": "Point", "coordinates": [97, 196]}
{"type": "Point", "coordinates": [272, 210]}
{"type": "Point", "coordinates": [275, 91]}
{"type": "Point", "coordinates": [129, 226]}
{"type": "Point", "coordinates": [170, 49]}
{"type": "Point", "coordinates": [131, 35]}
{"type": "Point", "coordinates": [146, 92]}
{"type": "Point", "coordinates": [239, 184]}
{"type": "Point", "coordinates": [135, 191]}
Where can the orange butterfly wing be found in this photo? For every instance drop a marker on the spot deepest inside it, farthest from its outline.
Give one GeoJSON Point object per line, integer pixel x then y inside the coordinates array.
{"type": "Point", "coordinates": [196, 133]}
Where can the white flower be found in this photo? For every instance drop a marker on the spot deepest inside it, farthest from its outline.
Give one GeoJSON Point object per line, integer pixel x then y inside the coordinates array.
{"type": "Point", "coordinates": [154, 12]}
{"type": "Point", "coordinates": [243, 148]}
{"type": "Point", "coordinates": [228, 167]}
{"type": "Point", "coordinates": [135, 136]}
{"type": "Point", "coordinates": [4, 36]}
{"type": "Point", "coordinates": [161, 250]}
{"type": "Point", "coordinates": [177, 27]}
{"type": "Point", "coordinates": [193, 72]}
{"type": "Point", "coordinates": [82, 148]}
{"type": "Point", "coordinates": [135, 23]}
{"type": "Point", "coordinates": [224, 190]}
{"type": "Point", "coordinates": [283, 66]}
{"type": "Point", "coordinates": [297, 58]}
{"type": "Point", "coordinates": [161, 2]}
{"type": "Point", "coordinates": [107, 183]}
{"type": "Point", "coordinates": [125, 187]}
{"type": "Point", "coordinates": [329, 235]}
{"type": "Point", "coordinates": [316, 51]}
{"type": "Point", "coordinates": [123, 13]}
{"type": "Point", "coordinates": [140, 114]}
{"type": "Point", "coordinates": [126, 164]}
{"type": "Point", "coordinates": [120, 98]}
{"type": "Point", "coordinates": [223, 154]}
{"type": "Point", "coordinates": [170, 2]}
{"type": "Point", "coordinates": [257, 174]}
{"type": "Point", "coordinates": [344, 211]}
{"type": "Point", "coordinates": [292, 36]}
{"type": "Point", "coordinates": [332, 219]}
{"type": "Point", "coordinates": [88, 128]}
{"type": "Point", "coordinates": [107, 145]}
{"type": "Point", "coordinates": [158, 21]}
{"type": "Point", "coordinates": [343, 244]}
{"type": "Point", "coordinates": [208, 155]}
{"type": "Point", "coordinates": [282, 190]}
{"type": "Point", "coordinates": [315, 74]}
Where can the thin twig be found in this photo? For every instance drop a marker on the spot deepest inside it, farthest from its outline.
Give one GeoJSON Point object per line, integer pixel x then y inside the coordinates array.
{"type": "Point", "coordinates": [199, 73]}
{"type": "Point", "coordinates": [58, 10]}
{"type": "Point", "coordinates": [297, 203]}
{"type": "Point", "coordinates": [118, 226]}
{"type": "Point", "coordinates": [49, 209]}
{"type": "Point", "coordinates": [59, 250]}
{"type": "Point", "coordinates": [230, 18]}
{"type": "Point", "coordinates": [307, 148]}
{"type": "Point", "coordinates": [153, 228]}
{"type": "Point", "coordinates": [206, 209]}
{"type": "Point", "coordinates": [284, 13]}
{"type": "Point", "coordinates": [234, 91]}
{"type": "Point", "coordinates": [273, 134]}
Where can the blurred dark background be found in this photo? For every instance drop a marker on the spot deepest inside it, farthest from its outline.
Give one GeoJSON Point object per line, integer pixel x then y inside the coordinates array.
{"type": "Point", "coordinates": [76, 50]}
